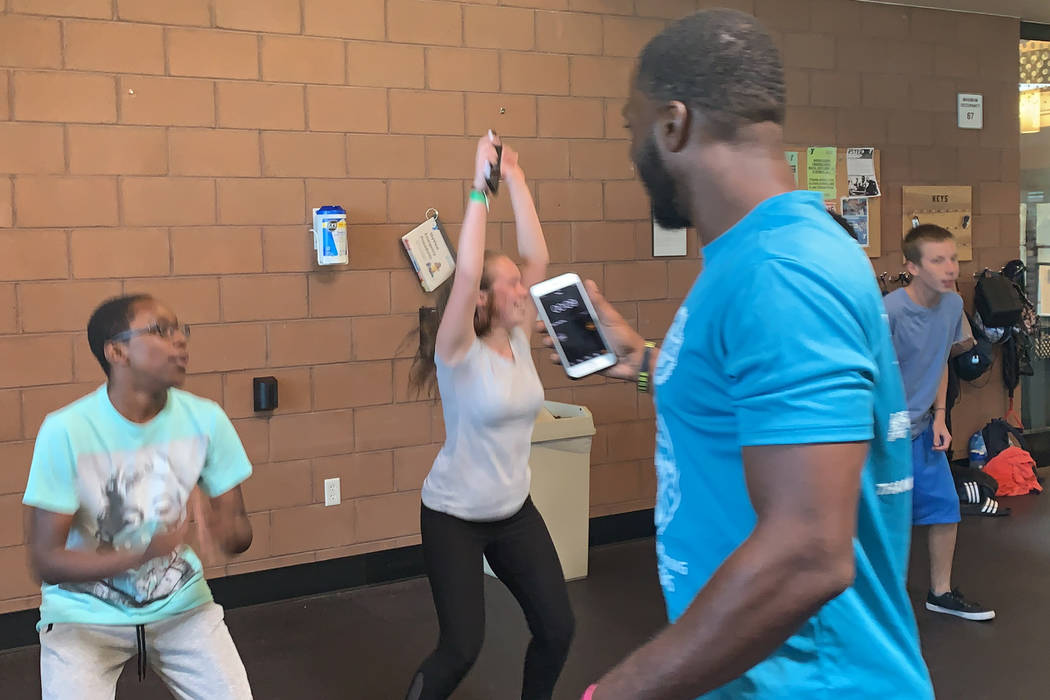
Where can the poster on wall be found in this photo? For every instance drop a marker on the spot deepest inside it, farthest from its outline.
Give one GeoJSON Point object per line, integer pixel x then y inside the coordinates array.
{"type": "Point", "coordinates": [820, 171]}
{"type": "Point", "coordinates": [792, 159]}
{"type": "Point", "coordinates": [855, 211]}
{"type": "Point", "coordinates": [860, 173]}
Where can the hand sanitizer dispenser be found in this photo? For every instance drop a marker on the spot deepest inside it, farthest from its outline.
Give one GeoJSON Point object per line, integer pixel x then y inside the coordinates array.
{"type": "Point", "coordinates": [330, 235]}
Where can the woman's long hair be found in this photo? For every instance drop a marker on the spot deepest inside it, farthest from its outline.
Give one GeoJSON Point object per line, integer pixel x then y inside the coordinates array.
{"type": "Point", "coordinates": [422, 377]}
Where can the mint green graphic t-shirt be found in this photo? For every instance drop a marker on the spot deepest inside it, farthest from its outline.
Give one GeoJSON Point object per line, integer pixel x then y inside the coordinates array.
{"type": "Point", "coordinates": [122, 482]}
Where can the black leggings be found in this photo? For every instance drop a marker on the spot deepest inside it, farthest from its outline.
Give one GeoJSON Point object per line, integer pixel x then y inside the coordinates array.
{"type": "Point", "coordinates": [521, 553]}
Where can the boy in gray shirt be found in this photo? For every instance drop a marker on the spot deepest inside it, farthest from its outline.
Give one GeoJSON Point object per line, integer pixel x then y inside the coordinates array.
{"type": "Point", "coordinates": [925, 321]}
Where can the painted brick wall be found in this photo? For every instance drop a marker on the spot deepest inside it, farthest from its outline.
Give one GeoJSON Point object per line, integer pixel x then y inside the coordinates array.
{"type": "Point", "coordinates": [176, 148]}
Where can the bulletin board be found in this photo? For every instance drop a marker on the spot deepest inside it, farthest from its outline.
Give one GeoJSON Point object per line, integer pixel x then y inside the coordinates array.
{"type": "Point", "coordinates": [872, 208]}
{"type": "Point", "coordinates": [947, 207]}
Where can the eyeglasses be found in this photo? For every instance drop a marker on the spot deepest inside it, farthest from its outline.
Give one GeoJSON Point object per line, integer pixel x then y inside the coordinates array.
{"type": "Point", "coordinates": [161, 331]}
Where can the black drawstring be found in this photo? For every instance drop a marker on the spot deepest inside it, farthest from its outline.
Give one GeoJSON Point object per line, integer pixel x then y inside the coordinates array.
{"type": "Point", "coordinates": [140, 638]}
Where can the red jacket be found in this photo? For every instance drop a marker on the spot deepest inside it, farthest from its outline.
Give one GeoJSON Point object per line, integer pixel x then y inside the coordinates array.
{"type": "Point", "coordinates": [1014, 469]}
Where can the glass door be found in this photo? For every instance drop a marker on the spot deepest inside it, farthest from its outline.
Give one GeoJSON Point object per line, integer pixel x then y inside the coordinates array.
{"type": "Point", "coordinates": [1034, 112]}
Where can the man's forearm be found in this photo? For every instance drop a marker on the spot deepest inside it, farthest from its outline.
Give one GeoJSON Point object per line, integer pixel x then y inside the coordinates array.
{"type": "Point", "coordinates": [756, 600]}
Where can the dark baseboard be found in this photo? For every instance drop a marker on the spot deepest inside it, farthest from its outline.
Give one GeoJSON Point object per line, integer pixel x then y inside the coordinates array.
{"type": "Point", "coordinates": [317, 577]}
{"type": "Point", "coordinates": [622, 527]}
{"type": "Point", "coordinates": [18, 629]}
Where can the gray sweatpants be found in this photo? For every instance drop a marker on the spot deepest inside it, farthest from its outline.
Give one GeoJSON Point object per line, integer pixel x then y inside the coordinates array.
{"type": "Point", "coordinates": [192, 652]}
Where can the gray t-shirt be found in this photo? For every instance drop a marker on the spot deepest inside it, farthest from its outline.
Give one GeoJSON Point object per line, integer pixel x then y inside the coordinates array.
{"type": "Point", "coordinates": [490, 404]}
{"type": "Point", "coordinates": [923, 337]}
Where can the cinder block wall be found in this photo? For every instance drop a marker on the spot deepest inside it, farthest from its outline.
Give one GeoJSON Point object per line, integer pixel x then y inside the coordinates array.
{"type": "Point", "coordinates": [177, 147]}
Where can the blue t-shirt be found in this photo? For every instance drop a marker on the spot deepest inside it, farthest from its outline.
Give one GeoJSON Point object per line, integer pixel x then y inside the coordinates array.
{"type": "Point", "coordinates": [923, 337]}
{"type": "Point", "coordinates": [122, 481]}
{"type": "Point", "coordinates": [782, 340]}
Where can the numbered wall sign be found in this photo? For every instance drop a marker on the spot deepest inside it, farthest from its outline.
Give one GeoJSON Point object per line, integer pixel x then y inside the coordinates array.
{"type": "Point", "coordinates": [971, 111]}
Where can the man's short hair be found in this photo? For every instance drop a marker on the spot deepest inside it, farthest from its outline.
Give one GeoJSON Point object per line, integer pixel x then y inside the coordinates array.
{"type": "Point", "coordinates": [920, 234]}
{"type": "Point", "coordinates": [720, 62]}
{"type": "Point", "coordinates": [111, 317]}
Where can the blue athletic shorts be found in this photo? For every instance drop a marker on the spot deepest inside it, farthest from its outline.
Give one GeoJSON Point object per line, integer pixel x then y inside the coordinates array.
{"type": "Point", "coordinates": [935, 499]}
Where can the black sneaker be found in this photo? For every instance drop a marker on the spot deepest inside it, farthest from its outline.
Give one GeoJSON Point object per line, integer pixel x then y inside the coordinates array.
{"type": "Point", "coordinates": [953, 603]}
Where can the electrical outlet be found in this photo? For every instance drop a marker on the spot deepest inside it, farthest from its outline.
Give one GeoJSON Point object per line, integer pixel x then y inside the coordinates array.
{"type": "Point", "coordinates": [331, 492]}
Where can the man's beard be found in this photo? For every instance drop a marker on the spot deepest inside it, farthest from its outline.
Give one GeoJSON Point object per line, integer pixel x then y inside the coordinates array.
{"type": "Point", "coordinates": [667, 210]}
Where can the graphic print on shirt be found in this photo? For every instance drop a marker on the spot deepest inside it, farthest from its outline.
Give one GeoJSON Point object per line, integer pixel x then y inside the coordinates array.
{"type": "Point", "coordinates": [668, 499]}
{"type": "Point", "coordinates": [669, 492]}
{"type": "Point", "coordinates": [900, 426]}
{"type": "Point", "coordinates": [125, 498]}
{"type": "Point", "coordinates": [668, 358]}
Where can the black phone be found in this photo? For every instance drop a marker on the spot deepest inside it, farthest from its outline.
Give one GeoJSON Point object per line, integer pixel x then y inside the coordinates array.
{"type": "Point", "coordinates": [492, 179]}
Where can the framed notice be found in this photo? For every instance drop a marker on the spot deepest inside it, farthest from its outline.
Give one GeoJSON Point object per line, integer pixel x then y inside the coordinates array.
{"type": "Point", "coordinates": [669, 242]}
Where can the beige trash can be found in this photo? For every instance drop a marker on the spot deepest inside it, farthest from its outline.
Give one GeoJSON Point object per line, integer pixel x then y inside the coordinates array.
{"type": "Point", "coordinates": [561, 481]}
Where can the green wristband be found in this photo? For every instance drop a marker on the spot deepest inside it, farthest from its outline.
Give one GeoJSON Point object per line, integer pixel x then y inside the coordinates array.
{"type": "Point", "coordinates": [479, 196]}
{"type": "Point", "coordinates": [643, 371]}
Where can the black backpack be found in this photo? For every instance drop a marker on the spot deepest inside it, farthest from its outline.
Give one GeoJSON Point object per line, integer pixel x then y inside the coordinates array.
{"type": "Point", "coordinates": [996, 300]}
{"type": "Point", "coordinates": [998, 435]}
{"type": "Point", "coordinates": [971, 364]}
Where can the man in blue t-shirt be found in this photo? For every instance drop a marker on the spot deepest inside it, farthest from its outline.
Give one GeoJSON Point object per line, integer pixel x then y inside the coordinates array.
{"type": "Point", "coordinates": [784, 488]}
{"type": "Point", "coordinates": [926, 319]}
{"type": "Point", "coordinates": [108, 488]}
